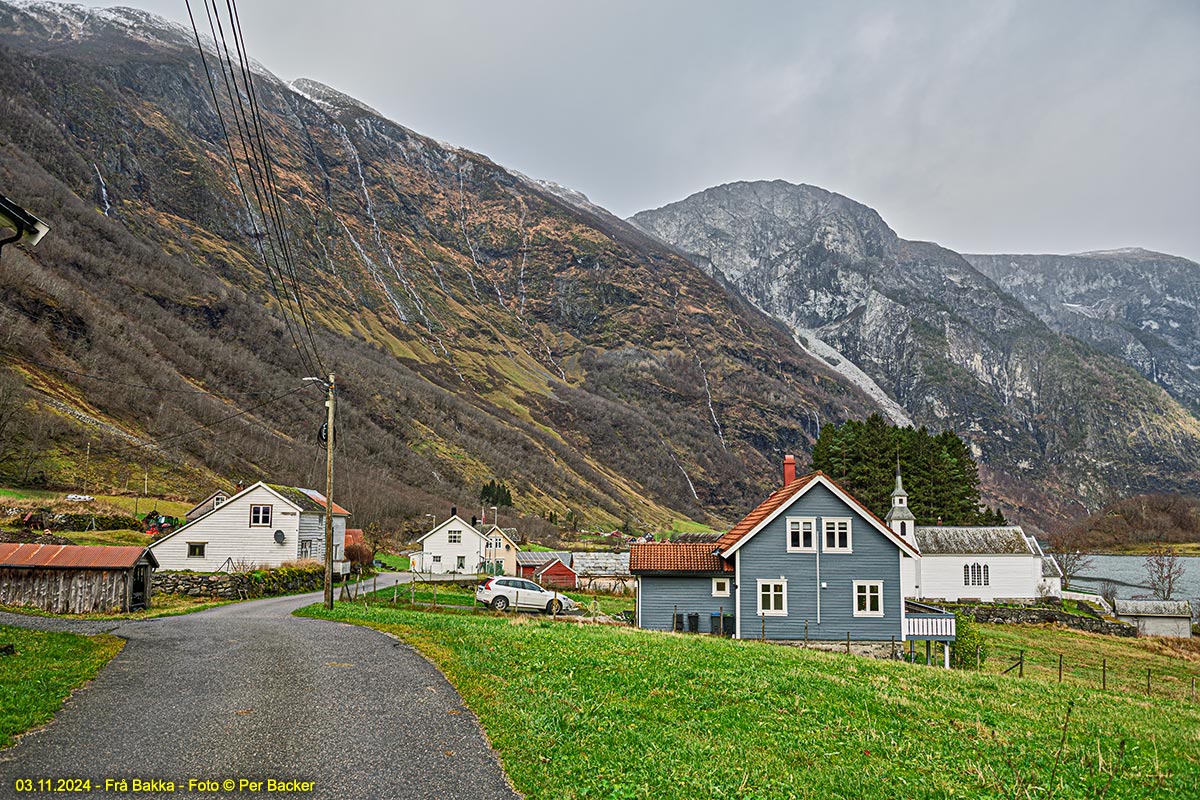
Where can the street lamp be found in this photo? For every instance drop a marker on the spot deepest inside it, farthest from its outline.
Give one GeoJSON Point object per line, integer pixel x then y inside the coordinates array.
{"type": "Point", "coordinates": [26, 227]}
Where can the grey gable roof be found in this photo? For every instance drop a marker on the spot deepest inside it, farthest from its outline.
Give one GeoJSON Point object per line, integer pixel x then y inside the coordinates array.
{"type": "Point", "coordinates": [1153, 608]}
{"type": "Point", "coordinates": [971, 540]}
{"type": "Point", "coordinates": [602, 564]}
{"type": "Point", "coordinates": [525, 559]}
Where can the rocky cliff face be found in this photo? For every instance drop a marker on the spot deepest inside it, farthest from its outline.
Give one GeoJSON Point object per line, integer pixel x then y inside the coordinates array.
{"type": "Point", "coordinates": [481, 326]}
{"type": "Point", "coordinates": [1141, 306]}
{"type": "Point", "coordinates": [942, 341]}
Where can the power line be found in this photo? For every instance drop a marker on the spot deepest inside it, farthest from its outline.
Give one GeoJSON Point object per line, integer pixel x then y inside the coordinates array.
{"type": "Point", "coordinates": [199, 428]}
{"type": "Point", "coordinates": [306, 360]}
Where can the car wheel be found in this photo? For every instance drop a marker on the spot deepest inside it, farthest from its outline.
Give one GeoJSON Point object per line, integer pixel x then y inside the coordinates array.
{"type": "Point", "coordinates": [554, 607]}
{"type": "Point", "coordinates": [500, 602]}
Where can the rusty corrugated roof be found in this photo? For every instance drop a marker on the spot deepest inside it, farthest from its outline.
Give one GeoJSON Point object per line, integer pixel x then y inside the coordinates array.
{"type": "Point", "coordinates": [70, 556]}
{"type": "Point", "coordinates": [672, 557]}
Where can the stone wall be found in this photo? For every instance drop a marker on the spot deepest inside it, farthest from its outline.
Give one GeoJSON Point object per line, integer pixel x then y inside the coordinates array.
{"type": "Point", "coordinates": [263, 583]}
{"type": "Point", "coordinates": [1036, 615]}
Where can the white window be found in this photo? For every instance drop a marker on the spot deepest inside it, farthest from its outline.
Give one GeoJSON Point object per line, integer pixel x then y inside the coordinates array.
{"type": "Point", "coordinates": [801, 534]}
{"type": "Point", "coordinates": [218, 500]}
{"type": "Point", "coordinates": [720, 587]}
{"type": "Point", "coordinates": [260, 515]}
{"type": "Point", "coordinates": [461, 563]}
{"type": "Point", "coordinates": [196, 549]}
{"type": "Point", "coordinates": [868, 598]}
{"type": "Point", "coordinates": [772, 598]}
{"type": "Point", "coordinates": [306, 547]}
{"type": "Point", "coordinates": [903, 527]}
{"type": "Point", "coordinates": [497, 543]}
{"type": "Point", "coordinates": [966, 574]}
{"type": "Point", "coordinates": [437, 559]}
{"type": "Point", "coordinates": [985, 575]}
{"type": "Point", "coordinates": [837, 534]}
{"type": "Point", "coordinates": [975, 575]}
{"type": "Point", "coordinates": [454, 537]}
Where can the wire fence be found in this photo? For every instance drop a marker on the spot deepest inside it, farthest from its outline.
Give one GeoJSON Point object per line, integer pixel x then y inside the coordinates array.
{"type": "Point", "coordinates": [1096, 672]}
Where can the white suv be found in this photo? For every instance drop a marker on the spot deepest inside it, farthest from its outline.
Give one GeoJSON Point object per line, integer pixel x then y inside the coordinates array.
{"type": "Point", "coordinates": [507, 592]}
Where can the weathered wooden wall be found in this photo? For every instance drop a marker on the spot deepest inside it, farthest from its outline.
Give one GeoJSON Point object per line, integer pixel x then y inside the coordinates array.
{"type": "Point", "coordinates": [71, 591]}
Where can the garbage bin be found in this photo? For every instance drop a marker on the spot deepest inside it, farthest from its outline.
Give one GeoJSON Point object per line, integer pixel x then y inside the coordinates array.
{"type": "Point", "coordinates": [693, 623]}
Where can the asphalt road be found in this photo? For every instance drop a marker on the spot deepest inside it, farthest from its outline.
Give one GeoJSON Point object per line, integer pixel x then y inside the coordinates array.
{"type": "Point", "coordinates": [247, 691]}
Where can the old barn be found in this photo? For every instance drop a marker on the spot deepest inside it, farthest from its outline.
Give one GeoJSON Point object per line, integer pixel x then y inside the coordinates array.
{"type": "Point", "coordinates": [73, 579]}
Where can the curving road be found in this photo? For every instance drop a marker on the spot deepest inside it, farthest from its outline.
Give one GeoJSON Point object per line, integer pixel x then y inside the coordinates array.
{"type": "Point", "coordinates": [247, 691]}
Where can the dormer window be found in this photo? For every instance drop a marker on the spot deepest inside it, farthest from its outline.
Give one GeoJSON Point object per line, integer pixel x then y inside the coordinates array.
{"type": "Point", "coordinates": [801, 534]}
{"type": "Point", "coordinates": [837, 534]}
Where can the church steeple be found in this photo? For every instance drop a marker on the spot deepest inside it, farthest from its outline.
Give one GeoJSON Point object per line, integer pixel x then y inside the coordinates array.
{"type": "Point", "coordinates": [900, 518]}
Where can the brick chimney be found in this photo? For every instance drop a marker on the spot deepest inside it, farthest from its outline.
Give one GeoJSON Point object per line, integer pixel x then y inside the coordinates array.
{"type": "Point", "coordinates": [789, 470]}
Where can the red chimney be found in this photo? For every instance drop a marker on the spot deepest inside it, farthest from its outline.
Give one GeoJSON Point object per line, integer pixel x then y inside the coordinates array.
{"type": "Point", "coordinates": [789, 470]}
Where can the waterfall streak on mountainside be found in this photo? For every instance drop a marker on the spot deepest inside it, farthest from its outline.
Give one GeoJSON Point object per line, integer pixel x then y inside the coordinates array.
{"type": "Point", "coordinates": [103, 190]}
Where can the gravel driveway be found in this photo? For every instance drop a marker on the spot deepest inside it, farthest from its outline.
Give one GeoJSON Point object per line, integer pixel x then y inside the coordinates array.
{"type": "Point", "coordinates": [247, 691]}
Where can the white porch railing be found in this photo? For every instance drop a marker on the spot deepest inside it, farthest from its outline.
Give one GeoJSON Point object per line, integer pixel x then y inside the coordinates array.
{"type": "Point", "coordinates": [929, 626]}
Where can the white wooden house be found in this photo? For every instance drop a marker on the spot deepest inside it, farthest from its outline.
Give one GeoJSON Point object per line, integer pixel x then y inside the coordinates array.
{"type": "Point", "coordinates": [263, 525]}
{"type": "Point", "coordinates": [452, 547]}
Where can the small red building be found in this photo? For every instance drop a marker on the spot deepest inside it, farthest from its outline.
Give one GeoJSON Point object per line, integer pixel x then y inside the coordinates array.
{"type": "Point", "coordinates": [556, 573]}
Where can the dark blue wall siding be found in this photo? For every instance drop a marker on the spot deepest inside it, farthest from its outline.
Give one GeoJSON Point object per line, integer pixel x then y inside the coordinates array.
{"type": "Point", "coordinates": [690, 595]}
{"type": "Point", "coordinates": [874, 558]}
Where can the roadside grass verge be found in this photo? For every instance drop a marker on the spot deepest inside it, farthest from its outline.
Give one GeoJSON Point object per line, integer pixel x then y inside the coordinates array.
{"type": "Point", "coordinates": [396, 563]}
{"type": "Point", "coordinates": [452, 594]}
{"type": "Point", "coordinates": [43, 672]}
{"type": "Point", "coordinates": [589, 711]}
{"type": "Point", "coordinates": [163, 605]}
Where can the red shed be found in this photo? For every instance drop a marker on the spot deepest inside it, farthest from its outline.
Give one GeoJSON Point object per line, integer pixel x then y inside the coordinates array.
{"type": "Point", "coordinates": [556, 573]}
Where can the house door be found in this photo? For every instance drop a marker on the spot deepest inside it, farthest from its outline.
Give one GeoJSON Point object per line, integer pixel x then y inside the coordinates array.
{"type": "Point", "coordinates": [138, 595]}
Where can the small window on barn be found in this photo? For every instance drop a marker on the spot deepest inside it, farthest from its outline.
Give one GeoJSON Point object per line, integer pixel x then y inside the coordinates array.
{"type": "Point", "coordinates": [260, 515]}
{"type": "Point", "coordinates": [196, 549]}
{"type": "Point", "coordinates": [868, 599]}
{"type": "Point", "coordinates": [802, 534]}
{"type": "Point", "coordinates": [720, 587]}
{"type": "Point", "coordinates": [837, 534]}
{"type": "Point", "coordinates": [454, 537]}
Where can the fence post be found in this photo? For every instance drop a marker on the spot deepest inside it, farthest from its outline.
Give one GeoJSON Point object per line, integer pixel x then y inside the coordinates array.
{"type": "Point", "coordinates": [1060, 667]}
{"type": "Point", "coordinates": [1021, 669]}
{"type": "Point", "coordinates": [806, 634]}
{"type": "Point", "coordinates": [1193, 690]}
{"type": "Point", "coordinates": [847, 642]}
{"type": "Point", "coordinates": [977, 659]}
{"type": "Point", "coordinates": [1147, 683]}
{"type": "Point", "coordinates": [435, 595]}
{"type": "Point", "coordinates": [720, 620]}
{"type": "Point", "coordinates": [674, 619]}
{"type": "Point", "coordinates": [1104, 674]}
{"type": "Point", "coordinates": [762, 637]}
{"type": "Point", "coordinates": [893, 647]}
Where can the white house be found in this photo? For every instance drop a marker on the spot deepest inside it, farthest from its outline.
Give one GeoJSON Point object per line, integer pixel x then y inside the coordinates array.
{"type": "Point", "coordinates": [263, 525]}
{"type": "Point", "coordinates": [960, 562]}
{"type": "Point", "coordinates": [1157, 617]}
{"type": "Point", "coordinates": [453, 547]}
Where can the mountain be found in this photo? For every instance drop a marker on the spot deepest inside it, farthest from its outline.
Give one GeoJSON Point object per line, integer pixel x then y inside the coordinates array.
{"type": "Point", "coordinates": [481, 326]}
{"type": "Point", "coordinates": [1141, 306]}
{"type": "Point", "coordinates": [944, 343]}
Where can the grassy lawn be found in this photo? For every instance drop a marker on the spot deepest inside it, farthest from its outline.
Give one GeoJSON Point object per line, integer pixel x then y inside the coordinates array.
{"type": "Point", "coordinates": [398, 563]}
{"type": "Point", "coordinates": [464, 595]}
{"type": "Point", "coordinates": [1172, 662]}
{"type": "Point", "coordinates": [44, 671]}
{"type": "Point", "coordinates": [608, 712]}
{"type": "Point", "coordinates": [170, 508]}
{"type": "Point", "coordinates": [107, 537]}
{"type": "Point", "coordinates": [162, 605]}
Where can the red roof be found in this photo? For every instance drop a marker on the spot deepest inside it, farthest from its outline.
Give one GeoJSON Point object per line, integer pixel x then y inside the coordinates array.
{"type": "Point", "coordinates": [353, 535]}
{"type": "Point", "coordinates": [676, 557]}
{"type": "Point", "coordinates": [766, 508]}
{"type": "Point", "coordinates": [782, 497]}
{"type": "Point", "coordinates": [70, 556]}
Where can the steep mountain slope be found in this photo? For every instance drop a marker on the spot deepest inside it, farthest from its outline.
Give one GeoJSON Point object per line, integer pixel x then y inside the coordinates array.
{"type": "Point", "coordinates": [480, 326]}
{"type": "Point", "coordinates": [942, 341]}
{"type": "Point", "coordinates": [1138, 305]}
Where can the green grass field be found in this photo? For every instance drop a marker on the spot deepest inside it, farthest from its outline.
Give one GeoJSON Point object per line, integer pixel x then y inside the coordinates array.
{"type": "Point", "coordinates": [606, 712]}
{"type": "Point", "coordinates": [123, 503]}
{"type": "Point", "coordinates": [465, 595]}
{"type": "Point", "coordinates": [398, 563]}
{"type": "Point", "coordinates": [43, 672]}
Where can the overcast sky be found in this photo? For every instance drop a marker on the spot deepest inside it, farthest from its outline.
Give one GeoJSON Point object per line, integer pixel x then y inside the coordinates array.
{"type": "Point", "coordinates": [985, 126]}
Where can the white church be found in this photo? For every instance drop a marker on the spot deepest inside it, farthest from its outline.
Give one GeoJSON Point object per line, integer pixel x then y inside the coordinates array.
{"type": "Point", "coordinates": [988, 563]}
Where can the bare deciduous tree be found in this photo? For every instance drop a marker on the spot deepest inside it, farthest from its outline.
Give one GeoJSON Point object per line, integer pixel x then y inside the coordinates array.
{"type": "Point", "coordinates": [1071, 558]}
{"type": "Point", "coordinates": [1163, 571]}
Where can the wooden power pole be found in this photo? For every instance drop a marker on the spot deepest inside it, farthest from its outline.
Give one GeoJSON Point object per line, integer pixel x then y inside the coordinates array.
{"type": "Point", "coordinates": [329, 401]}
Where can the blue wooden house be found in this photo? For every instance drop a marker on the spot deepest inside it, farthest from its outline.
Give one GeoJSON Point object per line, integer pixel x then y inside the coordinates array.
{"type": "Point", "coordinates": [808, 563]}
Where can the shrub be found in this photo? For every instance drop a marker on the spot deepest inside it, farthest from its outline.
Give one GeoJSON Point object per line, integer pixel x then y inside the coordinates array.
{"type": "Point", "coordinates": [360, 554]}
{"type": "Point", "coordinates": [967, 638]}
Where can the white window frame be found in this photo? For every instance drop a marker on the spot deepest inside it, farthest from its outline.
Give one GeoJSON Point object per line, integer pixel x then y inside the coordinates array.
{"type": "Point", "coordinates": [260, 523]}
{"type": "Point", "coordinates": [203, 549]}
{"type": "Point", "coordinates": [759, 595]}
{"type": "Point", "coordinates": [437, 559]}
{"type": "Point", "coordinates": [497, 543]}
{"type": "Point", "coordinates": [854, 598]}
{"type": "Point", "coordinates": [720, 592]}
{"type": "Point", "coordinates": [217, 501]}
{"type": "Point", "coordinates": [461, 562]}
{"type": "Point", "coordinates": [799, 521]}
{"type": "Point", "coordinates": [832, 522]}
{"type": "Point", "coordinates": [306, 548]}
{"type": "Point", "coordinates": [453, 537]}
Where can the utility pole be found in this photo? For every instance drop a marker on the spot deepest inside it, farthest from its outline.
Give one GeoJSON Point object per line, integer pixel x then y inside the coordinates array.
{"type": "Point", "coordinates": [329, 401]}
{"type": "Point", "coordinates": [87, 465]}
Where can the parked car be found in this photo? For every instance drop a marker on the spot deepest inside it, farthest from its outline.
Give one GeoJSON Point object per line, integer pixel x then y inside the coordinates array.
{"type": "Point", "coordinates": [505, 593]}
{"type": "Point", "coordinates": [80, 498]}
